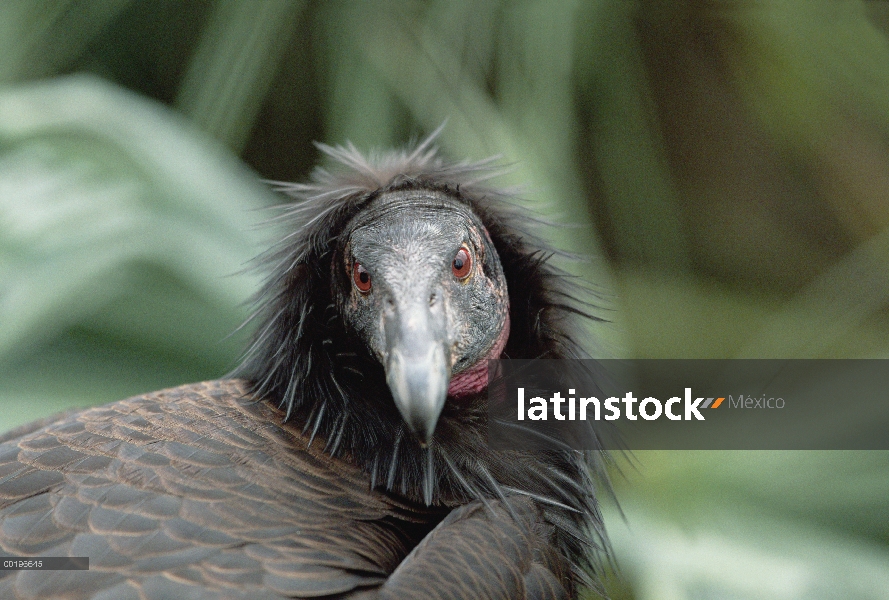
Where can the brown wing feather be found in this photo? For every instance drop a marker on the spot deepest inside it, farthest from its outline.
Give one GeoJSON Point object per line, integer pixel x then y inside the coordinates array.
{"type": "Point", "coordinates": [194, 491]}
{"type": "Point", "coordinates": [484, 552]}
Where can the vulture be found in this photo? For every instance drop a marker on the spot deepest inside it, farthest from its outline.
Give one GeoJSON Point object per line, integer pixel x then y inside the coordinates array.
{"type": "Point", "coordinates": [347, 455]}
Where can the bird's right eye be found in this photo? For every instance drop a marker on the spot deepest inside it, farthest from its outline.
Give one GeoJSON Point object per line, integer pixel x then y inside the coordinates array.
{"type": "Point", "coordinates": [361, 278]}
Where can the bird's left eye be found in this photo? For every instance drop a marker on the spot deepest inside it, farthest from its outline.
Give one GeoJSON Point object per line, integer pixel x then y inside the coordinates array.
{"type": "Point", "coordinates": [361, 278]}
{"type": "Point", "coordinates": [462, 264]}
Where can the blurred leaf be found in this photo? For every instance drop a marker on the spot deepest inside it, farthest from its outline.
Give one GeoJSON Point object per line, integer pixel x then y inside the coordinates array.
{"type": "Point", "coordinates": [734, 551]}
{"type": "Point", "coordinates": [120, 227]}
{"type": "Point", "coordinates": [41, 38]}
{"type": "Point", "coordinates": [361, 108]}
{"type": "Point", "coordinates": [798, 59]}
{"type": "Point", "coordinates": [232, 69]}
{"type": "Point", "coordinates": [628, 159]}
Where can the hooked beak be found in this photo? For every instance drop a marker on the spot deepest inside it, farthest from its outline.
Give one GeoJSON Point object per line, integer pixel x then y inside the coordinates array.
{"type": "Point", "coordinates": [417, 366]}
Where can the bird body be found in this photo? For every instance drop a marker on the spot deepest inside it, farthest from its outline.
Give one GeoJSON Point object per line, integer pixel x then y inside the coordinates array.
{"type": "Point", "coordinates": [349, 457]}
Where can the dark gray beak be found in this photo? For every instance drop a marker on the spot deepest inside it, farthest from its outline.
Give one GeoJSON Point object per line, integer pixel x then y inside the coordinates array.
{"type": "Point", "coordinates": [417, 365]}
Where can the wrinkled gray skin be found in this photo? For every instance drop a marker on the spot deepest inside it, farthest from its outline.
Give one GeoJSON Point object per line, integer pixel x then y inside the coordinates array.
{"type": "Point", "coordinates": [422, 322]}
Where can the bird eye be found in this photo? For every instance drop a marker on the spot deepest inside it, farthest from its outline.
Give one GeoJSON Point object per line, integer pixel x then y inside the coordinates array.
{"type": "Point", "coordinates": [361, 278]}
{"type": "Point", "coordinates": [462, 264]}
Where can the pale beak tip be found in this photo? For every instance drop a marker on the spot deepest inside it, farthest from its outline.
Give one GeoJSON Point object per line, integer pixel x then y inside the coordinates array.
{"type": "Point", "coordinates": [419, 387]}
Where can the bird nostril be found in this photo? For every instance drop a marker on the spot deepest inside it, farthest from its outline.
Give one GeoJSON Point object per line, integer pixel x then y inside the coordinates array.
{"type": "Point", "coordinates": [433, 297]}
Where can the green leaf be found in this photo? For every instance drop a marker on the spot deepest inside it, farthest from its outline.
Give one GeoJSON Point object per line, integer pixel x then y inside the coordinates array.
{"type": "Point", "coordinates": [123, 234]}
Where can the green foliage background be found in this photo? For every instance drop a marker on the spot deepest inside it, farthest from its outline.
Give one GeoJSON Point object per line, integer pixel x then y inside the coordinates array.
{"type": "Point", "coordinates": [724, 162]}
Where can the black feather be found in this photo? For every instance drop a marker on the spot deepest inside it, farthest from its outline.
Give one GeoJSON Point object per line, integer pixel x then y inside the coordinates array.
{"type": "Point", "coordinates": [304, 356]}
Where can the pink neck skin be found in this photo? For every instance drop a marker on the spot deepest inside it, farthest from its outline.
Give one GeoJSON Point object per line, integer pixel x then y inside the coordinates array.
{"type": "Point", "coordinates": [475, 378]}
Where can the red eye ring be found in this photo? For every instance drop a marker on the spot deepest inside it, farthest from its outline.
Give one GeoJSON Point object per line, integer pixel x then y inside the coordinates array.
{"type": "Point", "coordinates": [462, 264]}
{"type": "Point", "coordinates": [361, 278]}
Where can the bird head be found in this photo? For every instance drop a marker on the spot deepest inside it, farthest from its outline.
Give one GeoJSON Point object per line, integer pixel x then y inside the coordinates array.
{"type": "Point", "coordinates": [420, 283]}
